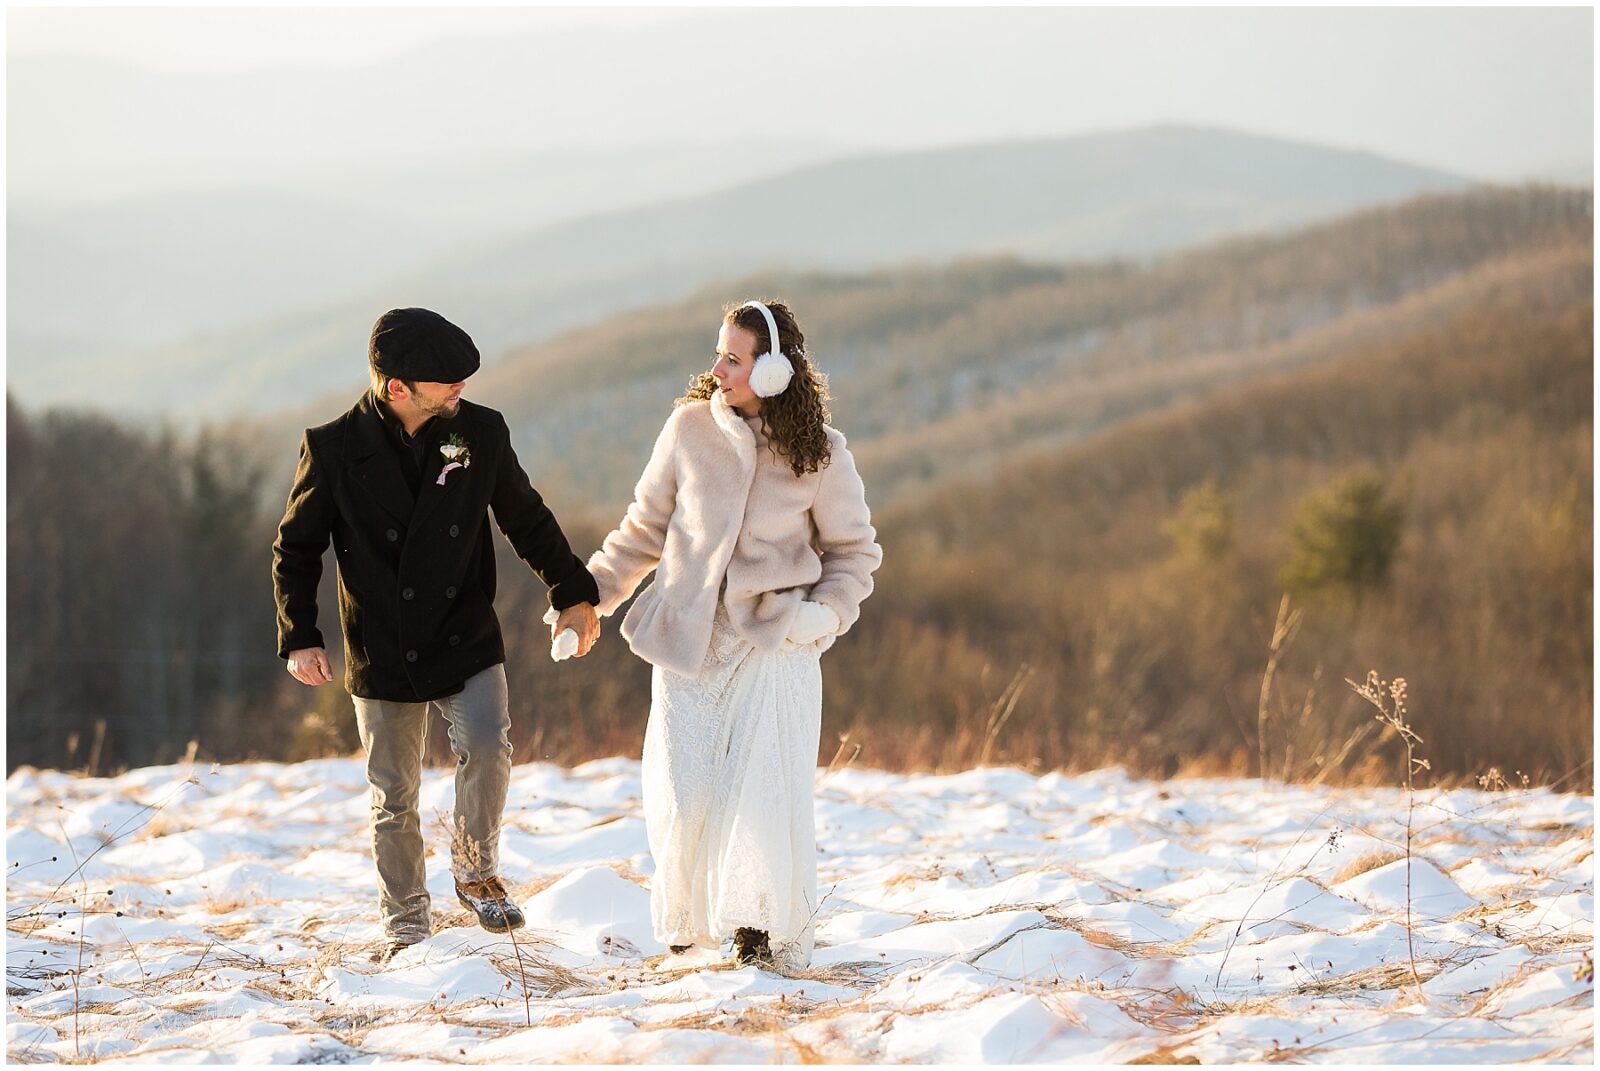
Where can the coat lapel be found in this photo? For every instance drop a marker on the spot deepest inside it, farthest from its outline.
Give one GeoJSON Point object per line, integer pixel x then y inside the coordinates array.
{"type": "Point", "coordinates": [739, 435]}
{"type": "Point", "coordinates": [372, 464]}
{"type": "Point", "coordinates": [433, 463]}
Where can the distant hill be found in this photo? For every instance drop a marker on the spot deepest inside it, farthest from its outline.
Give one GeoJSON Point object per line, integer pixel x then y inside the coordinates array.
{"type": "Point", "coordinates": [1129, 195]}
{"type": "Point", "coordinates": [941, 374]}
{"type": "Point", "coordinates": [166, 270]}
{"type": "Point", "coordinates": [124, 276]}
{"type": "Point", "coordinates": [941, 371]}
{"type": "Point", "coordinates": [520, 193]}
{"type": "Point", "coordinates": [1075, 567]}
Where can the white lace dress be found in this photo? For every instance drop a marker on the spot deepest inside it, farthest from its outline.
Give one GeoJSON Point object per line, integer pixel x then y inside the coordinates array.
{"type": "Point", "coordinates": [729, 761]}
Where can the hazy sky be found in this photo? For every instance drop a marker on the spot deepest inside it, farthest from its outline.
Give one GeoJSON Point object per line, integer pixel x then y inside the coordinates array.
{"type": "Point", "coordinates": [223, 39]}
{"type": "Point", "coordinates": [230, 96]}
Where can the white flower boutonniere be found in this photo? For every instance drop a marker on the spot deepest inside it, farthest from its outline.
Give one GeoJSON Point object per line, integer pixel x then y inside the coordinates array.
{"type": "Point", "coordinates": [456, 455]}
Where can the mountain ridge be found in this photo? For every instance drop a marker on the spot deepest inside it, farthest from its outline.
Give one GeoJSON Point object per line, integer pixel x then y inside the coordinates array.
{"type": "Point", "coordinates": [923, 358]}
{"type": "Point", "coordinates": [532, 287]}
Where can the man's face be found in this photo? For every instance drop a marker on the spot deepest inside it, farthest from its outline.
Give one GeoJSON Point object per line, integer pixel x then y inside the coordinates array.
{"type": "Point", "coordinates": [441, 400]}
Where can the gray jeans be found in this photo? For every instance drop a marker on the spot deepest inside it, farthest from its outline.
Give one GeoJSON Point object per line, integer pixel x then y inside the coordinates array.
{"type": "Point", "coordinates": [395, 736]}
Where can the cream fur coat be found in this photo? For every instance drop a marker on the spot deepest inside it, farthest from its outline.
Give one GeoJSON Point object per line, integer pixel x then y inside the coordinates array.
{"type": "Point", "coordinates": [715, 503]}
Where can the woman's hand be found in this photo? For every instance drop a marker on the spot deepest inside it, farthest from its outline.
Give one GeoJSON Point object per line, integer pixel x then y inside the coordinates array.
{"type": "Point", "coordinates": [813, 622]}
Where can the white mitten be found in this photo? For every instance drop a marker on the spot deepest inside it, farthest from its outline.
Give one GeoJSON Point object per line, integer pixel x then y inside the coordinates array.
{"type": "Point", "coordinates": [813, 622]}
{"type": "Point", "coordinates": [564, 646]}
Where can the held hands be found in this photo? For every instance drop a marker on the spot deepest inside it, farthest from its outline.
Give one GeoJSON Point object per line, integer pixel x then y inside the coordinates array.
{"type": "Point", "coordinates": [573, 631]}
{"type": "Point", "coordinates": [813, 622]}
{"type": "Point", "coordinates": [309, 665]}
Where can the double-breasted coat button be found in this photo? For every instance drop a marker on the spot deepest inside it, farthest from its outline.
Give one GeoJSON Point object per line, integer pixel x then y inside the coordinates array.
{"type": "Point", "coordinates": [392, 535]}
{"type": "Point", "coordinates": [455, 530]}
{"type": "Point", "coordinates": [411, 656]}
{"type": "Point", "coordinates": [449, 593]}
{"type": "Point", "coordinates": [455, 641]}
{"type": "Point", "coordinates": [408, 593]}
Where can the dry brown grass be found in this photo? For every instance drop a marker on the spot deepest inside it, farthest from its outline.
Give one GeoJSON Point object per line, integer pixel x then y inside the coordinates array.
{"type": "Point", "coordinates": [1541, 944]}
{"type": "Point", "coordinates": [914, 876]}
{"type": "Point", "coordinates": [766, 1021]}
{"type": "Point", "coordinates": [532, 887]}
{"type": "Point", "coordinates": [1388, 976]}
{"type": "Point", "coordinates": [225, 905]}
{"type": "Point", "coordinates": [1166, 1054]}
{"type": "Point", "coordinates": [529, 969]}
{"type": "Point", "coordinates": [860, 975]}
{"type": "Point", "coordinates": [1092, 934]}
{"type": "Point", "coordinates": [231, 931]}
{"type": "Point", "coordinates": [163, 824]}
{"type": "Point", "coordinates": [626, 871]}
{"type": "Point", "coordinates": [1372, 860]}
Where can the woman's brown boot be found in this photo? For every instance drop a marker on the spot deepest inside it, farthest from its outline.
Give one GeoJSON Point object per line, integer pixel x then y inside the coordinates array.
{"type": "Point", "coordinates": [751, 946]}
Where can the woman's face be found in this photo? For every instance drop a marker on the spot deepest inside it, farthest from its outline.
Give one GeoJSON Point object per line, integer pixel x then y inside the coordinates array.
{"type": "Point", "coordinates": [735, 358]}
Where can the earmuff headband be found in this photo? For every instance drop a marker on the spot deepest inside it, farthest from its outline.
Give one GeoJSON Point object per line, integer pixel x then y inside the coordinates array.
{"type": "Point", "coordinates": [772, 370]}
{"type": "Point", "coordinates": [772, 325]}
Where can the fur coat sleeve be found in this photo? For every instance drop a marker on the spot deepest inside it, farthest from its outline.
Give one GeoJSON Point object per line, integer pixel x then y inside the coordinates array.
{"type": "Point", "coordinates": [634, 548]}
{"type": "Point", "coordinates": [846, 540]}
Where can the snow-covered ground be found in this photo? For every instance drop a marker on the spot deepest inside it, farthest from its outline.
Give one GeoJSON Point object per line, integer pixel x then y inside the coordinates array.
{"type": "Point", "coordinates": [988, 916]}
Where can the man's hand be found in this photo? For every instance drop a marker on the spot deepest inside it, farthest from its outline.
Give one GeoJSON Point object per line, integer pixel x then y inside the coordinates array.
{"type": "Point", "coordinates": [580, 619]}
{"type": "Point", "coordinates": [309, 665]}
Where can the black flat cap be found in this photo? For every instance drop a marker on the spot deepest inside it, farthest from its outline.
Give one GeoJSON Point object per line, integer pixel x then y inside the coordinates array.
{"type": "Point", "coordinates": [420, 345]}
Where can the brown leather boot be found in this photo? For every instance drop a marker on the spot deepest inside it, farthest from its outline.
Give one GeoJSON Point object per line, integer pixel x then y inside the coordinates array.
{"type": "Point", "coordinates": [489, 901]}
{"type": "Point", "coordinates": [751, 946]}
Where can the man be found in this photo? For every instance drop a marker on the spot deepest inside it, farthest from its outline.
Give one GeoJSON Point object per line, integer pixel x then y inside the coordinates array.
{"type": "Point", "coordinates": [403, 484]}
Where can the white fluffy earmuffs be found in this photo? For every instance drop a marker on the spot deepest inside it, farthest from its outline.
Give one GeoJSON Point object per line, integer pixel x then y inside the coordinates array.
{"type": "Point", "coordinates": [772, 371]}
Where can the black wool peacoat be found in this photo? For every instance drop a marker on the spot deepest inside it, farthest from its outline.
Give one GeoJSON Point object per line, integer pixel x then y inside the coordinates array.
{"type": "Point", "coordinates": [416, 574]}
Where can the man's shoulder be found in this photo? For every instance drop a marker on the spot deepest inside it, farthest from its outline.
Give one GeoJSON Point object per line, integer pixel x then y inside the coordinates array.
{"type": "Point", "coordinates": [329, 428]}
{"type": "Point", "coordinates": [333, 430]}
{"type": "Point", "coordinates": [471, 414]}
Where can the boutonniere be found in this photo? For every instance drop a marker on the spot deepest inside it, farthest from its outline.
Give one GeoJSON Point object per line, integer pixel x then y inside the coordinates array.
{"type": "Point", "coordinates": [456, 455]}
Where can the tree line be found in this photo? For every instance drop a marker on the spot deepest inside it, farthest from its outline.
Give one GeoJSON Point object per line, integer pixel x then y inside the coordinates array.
{"type": "Point", "coordinates": [134, 602]}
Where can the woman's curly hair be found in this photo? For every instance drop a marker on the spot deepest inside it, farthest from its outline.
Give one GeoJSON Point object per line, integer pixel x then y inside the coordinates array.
{"type": "Point", "coordinates": [793, 419]}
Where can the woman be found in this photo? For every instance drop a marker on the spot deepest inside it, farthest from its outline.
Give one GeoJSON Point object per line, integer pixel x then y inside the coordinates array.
{"type": "Point", "coordinates": [753, 516]}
